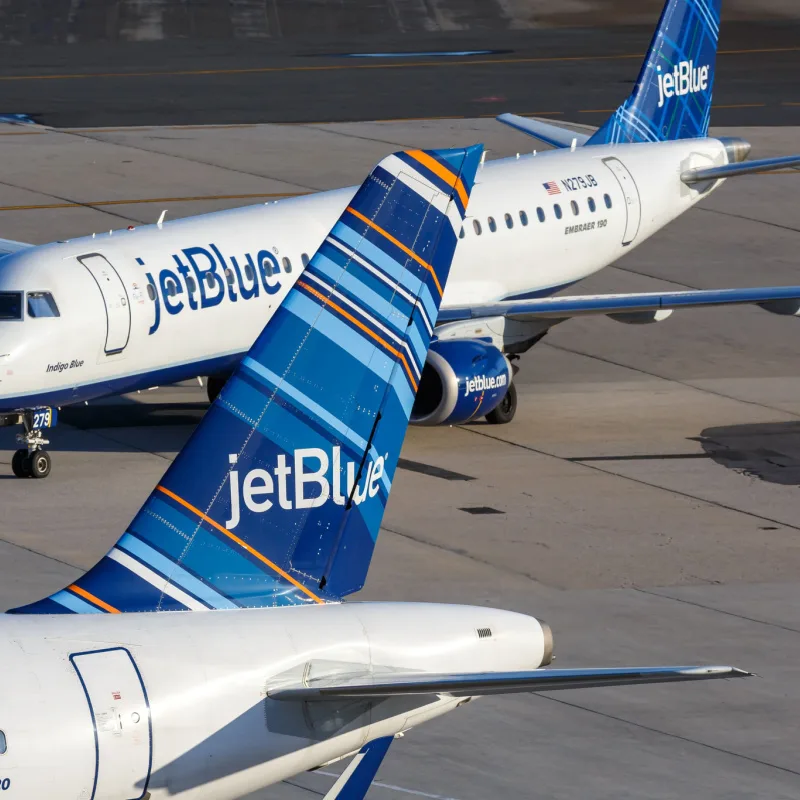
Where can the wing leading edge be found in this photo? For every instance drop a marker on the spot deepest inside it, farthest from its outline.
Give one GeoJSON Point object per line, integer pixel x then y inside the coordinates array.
{"type": "Point", "coordinates": [472, 685]}
{"type": "Point", "coordinates": [780, 299]}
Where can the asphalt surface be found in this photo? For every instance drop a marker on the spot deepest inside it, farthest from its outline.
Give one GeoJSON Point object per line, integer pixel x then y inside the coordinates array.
{"type": "Point", "coordinates": [645, 498]}
{"type": "Point", "coordinates": [91, 75]}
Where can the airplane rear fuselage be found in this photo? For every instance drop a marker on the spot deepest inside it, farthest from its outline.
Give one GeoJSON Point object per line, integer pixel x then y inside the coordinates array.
{"type": "Point", "coordinates": [177, 703]}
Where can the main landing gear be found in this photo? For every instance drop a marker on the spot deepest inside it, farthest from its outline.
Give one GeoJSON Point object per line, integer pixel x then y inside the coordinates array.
{"type": "Point", "coordinates": [33, 461]}
{"type": "Point", "coordinates": [504, 413]}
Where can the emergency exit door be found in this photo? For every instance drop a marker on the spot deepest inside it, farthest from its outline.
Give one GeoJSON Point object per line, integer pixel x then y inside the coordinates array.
{"type": "Point", "coordinates": [633, 204]}
{"type": "Point", "coordinates": [115, 298]}
{"type": "Point", "coordinates": [120, 717]}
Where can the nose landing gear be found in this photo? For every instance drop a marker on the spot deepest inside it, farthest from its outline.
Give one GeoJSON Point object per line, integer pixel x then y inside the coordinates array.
{"type": "Point", "coordinates": [32, 461]}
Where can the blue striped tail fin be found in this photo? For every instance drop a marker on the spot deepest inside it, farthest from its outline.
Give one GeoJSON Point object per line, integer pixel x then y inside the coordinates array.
{"type": "Point", "coordinates": [278, 496]}
{"type": "Point", "coordinates": [672, 98]}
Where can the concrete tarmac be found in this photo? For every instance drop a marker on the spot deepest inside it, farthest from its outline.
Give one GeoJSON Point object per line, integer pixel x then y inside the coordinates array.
{"type": "Point", "coordinates": [644, 501]}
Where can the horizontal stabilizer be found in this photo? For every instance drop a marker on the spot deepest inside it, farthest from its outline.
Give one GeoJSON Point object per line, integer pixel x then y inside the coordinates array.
{"type": "Point", "coordinates": [559, 308]}
{"type": "Point", "coordinates": [479, 684]}
{"type": "Point", "coordinates": [744, 168]}
{"type": "Point", "coordinates": [543, 131]}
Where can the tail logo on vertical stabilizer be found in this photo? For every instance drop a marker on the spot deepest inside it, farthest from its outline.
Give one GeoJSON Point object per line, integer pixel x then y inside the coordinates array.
{"type": "Point", "coordinates": [684, 79]}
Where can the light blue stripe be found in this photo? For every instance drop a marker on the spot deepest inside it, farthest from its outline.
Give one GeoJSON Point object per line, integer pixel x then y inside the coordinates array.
{"type": "Point", "coordinates": [174, 573]}
{"type": "Point", "coordinates": [73, 603]}
{"type": "Point", "coordinates": [374, 254]}
{"type": "Point", "coordinates": [314, 407]}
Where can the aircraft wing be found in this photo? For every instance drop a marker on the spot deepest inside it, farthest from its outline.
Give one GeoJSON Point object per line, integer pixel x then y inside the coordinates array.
{"type": "Point", "coordinates": [9, 246]}
{"type": "Point", "coordinates": [472, 685]}
{"type": "Point", "coordinates": [554, 135]}
{"type": "Point", "coordinates": [626, 307]}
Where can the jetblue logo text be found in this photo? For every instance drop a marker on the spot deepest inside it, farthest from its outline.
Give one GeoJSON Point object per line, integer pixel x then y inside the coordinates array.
{"type": "Point", "coordinates": [484, 384]}
{"type": "Point", "coordinates": [203, 278]}
{"type": "Point", "coordinates": [684, 79]}
{"type": "Point", "coordinates": [308, 479]}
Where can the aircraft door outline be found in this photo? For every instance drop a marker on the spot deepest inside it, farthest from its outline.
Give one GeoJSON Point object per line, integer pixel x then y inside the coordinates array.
{"type": "Point", "coordinates": [120, 713]}
{"type": "Point", "coordinates": [115, 299]}
{"type": "Point", "coordinates": [633, 203]}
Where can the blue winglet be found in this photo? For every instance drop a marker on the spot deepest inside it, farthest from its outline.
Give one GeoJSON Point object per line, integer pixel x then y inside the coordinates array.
{"type": "Point", "coordinates": [277, 498]}
{"type": "Point", "coordinates": [672, 98]}
{"type": "Point", "coordinates": [354, 782]}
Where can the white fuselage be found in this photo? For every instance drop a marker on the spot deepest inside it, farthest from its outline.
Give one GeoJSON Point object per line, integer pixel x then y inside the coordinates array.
{"type": "Point", "coordinates": [191, 296]}
{"type": "Point", "coordinates": [107, 706]}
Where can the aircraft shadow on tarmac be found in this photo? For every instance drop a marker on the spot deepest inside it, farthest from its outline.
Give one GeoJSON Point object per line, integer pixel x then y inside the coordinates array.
{"type": "Point", "coordinates": [769, 451]}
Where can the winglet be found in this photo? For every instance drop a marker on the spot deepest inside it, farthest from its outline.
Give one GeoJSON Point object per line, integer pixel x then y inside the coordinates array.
{"type": "Point", "coordinates": [354, 782]}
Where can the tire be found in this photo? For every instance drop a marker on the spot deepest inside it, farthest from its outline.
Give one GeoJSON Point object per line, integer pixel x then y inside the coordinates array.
{"type": "Point", "coordinates": [505, 412]}
{"type": "Point", "coordinates": [39, 464]}
{"type": "Point", "coordinates": [18, 464]}
{"type": "Point", "coordinates": [214, 386]}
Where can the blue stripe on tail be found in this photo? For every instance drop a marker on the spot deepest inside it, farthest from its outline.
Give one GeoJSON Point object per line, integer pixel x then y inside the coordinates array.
{"type": "Point", "coordinates": [278, 496]}
{"type": "Point", "coordinates": [672, 98]}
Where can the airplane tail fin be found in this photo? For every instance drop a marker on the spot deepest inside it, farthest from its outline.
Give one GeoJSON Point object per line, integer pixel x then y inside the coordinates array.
{"type": "Point", "coordinates": [277, 498]}
{"type": "Point", "coordinates": [672, 98]}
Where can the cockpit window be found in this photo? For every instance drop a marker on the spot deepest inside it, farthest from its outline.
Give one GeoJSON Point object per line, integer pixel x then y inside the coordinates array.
{"type": "Point", "coordinates": [10, 305]}
{"type": "Point", "coordinates": [41, 304]}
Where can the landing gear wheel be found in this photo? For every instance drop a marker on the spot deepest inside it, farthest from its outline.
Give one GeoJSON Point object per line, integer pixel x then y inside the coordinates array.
{"type": "Point", "coordinates": [39, 464]}
{"type": "Point", "coordinates": [504, 413]}
{"type": "Point", "coordinates": [18, 464]}
{"type": "Point", "coordinates": [214, 386]}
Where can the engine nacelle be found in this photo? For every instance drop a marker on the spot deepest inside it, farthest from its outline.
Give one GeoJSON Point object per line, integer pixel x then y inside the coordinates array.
{"type": "Point", "coordinates": [462, 379]}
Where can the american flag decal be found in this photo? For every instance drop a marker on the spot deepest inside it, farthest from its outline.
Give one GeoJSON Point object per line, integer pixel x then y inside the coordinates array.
{"type": "Point", "coordinates": [552, 188]}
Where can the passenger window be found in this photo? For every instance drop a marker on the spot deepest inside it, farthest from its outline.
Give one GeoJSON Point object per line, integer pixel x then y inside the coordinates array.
{"type": "Point", "coordinates": [41, 304]}
{"type": "Point", "coordinates": [592, 205]}
{"type": "Point", "coordinates": [172, 288]}
{"type": "Point", "coordinates": [557, 209]}
{"type": "Point", "coordinates": [575, 209]}
{"type": "Point", "coordinates": [269, 269]}
{"type": "Point", "coordinates": [151, 291]}
{"type": "Point", "coordinates": [607, 198]}
{"type": "Point", "coordinates": [10, 305]}
{"type": "Point", "coordinates": [523, 218]}
{"type": "Point", "coordinates": [248, 272]}
{"type": "Point", "coordinates": [229, 276]}
{"type": "Point", "coordinates": [304, 259]}
{"type": "Point", "coordinates": [210, 279]}
{"type": "Point", "coordinates": [461, 233]}
{"type": "Point", "coordinates": [509, 221]}
{"type": "Point", "coordinates": [477, 226]}
{"type": "Point", "coordinates": [287, 265]}
{"type": "Point", "coordinates": [492, 225]}
{"type": "Point", "coordinates": [3, 746]}
{"type": "Point", "coordinates": [540, 214]}
{"type": "Point", "coordinates": [190, 284]}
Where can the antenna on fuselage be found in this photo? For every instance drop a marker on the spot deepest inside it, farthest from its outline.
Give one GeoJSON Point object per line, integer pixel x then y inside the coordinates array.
{"type": "Point", "coordinates": [161, 218]}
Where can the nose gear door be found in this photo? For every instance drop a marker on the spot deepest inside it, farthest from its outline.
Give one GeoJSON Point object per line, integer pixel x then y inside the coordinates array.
{"type": "Point", "coordinates": [120, 716]}
{"type": "Point", "coordinates": [115, 297]}
{"type": "Point", "coordinates": [633, 205]}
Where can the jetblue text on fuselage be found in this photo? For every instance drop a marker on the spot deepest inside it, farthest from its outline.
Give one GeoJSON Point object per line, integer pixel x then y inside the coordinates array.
{"type": "Point", "coordinates": [308, 478]}
{"type": "Point", "coordinates": [684, 79]}
{"type": "Point", "coordinates": [202, 277]}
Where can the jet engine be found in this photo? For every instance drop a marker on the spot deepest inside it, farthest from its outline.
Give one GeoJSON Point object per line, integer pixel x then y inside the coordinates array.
{"type": "Point", "coordinates": [462, 379]}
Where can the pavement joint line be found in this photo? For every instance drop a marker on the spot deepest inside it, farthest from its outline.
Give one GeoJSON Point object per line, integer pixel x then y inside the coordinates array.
{"type": "Point", "coordinates": [43, 555]}
{"type": "Point", "coordinates": [686, 384]}
{"type": "Point", "coordinates": [679, 737]}
{"type": "Point", "coordinates": [465, 554]}
{"type": "Point", "coordinates": [777, 625]}
{"type": "Point", "coordinates": [128, 202]}
{"type": "Point", "coordinates": [372, 66]}
{"type": "Point", "coordinates": [639, 481]}
{"type": "Point", "coordinates": [75, 203]}
{"type": "Point", "coordinates": [751, 219]}
{"type": "Point", "coordinates": [318, 126]}
{"type": "Point", "coordinates": [141, 149]}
